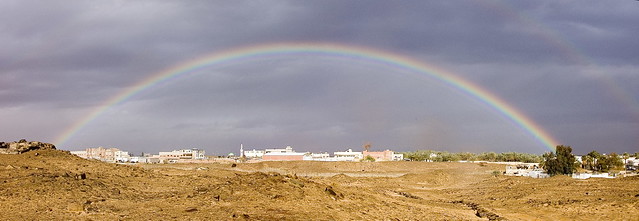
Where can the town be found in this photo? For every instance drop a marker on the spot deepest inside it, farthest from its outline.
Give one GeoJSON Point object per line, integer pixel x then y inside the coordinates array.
{"type": "Point", "coordinates": [187, 182]}
{"type": "Point", "coordinates": [115, 155]}
{"type": "Point", "coordinates": [195, 155]}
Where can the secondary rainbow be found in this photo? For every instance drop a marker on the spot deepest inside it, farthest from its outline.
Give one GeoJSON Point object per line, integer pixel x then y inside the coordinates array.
{"type": "Point", "coordinates": [561, 44]}
{"type": "Point", "coordinates": [326, 49]}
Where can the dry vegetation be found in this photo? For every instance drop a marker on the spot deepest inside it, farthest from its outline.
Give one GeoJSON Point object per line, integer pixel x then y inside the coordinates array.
{"type": "Point", "coordinates": [45, 185]}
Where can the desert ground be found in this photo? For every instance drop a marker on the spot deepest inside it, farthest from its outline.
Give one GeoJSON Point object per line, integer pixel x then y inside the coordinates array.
{"type": "Point", "coordinates": [55, 185]}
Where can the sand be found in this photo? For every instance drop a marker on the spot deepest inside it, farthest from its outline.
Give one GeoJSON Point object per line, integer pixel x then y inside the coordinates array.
{"type": "Point", "coordinates": [57, 185]}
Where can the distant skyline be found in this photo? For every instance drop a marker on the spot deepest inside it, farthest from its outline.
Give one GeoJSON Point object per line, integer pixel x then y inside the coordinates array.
{"type": "Point", "coordinates": [563, 72]}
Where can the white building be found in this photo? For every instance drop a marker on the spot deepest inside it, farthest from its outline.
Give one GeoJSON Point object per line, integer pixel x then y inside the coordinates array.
{"type": "Point", "coordinates": [288, 149]}
{"type": "Point", "coordinates": [187, 154]}
{"type": "Point", "coordinates": [139, 160]}
{"type": "Point", "coordinates": [80, 153]}
{"type": "Point", "coordinates": [631, 161]}
{"type": "Point", "coordinates": [398, 157]}
{"type": "Point", "coordinates": [253, 153]}
{"type": "Point", "coordinates": [348, 155]}
{"type": "Point", "coordinates": [525, 169]}
{"type": "Point", "coordinates": [318, 156]}
{"type": "Point", "coordinates": [286, 154]}
{"type": "Point", "coordinates": [112, 155]}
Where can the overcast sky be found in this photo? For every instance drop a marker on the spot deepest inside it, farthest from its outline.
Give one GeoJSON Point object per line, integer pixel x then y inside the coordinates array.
{"type": "Point", "coordinates": [570, 66]}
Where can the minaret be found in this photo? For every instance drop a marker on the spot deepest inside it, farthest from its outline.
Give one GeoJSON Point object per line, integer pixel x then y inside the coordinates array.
{"type": "Point", "coordinates": [241, 150]}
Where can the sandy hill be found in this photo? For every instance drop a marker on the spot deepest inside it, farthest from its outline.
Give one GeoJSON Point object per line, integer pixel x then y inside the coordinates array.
{"type": "Point", "coordinates": [53, 184]}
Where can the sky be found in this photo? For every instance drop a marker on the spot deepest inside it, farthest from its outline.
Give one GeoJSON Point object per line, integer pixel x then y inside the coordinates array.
{"type": "Point", "coordinates": [570, 67]}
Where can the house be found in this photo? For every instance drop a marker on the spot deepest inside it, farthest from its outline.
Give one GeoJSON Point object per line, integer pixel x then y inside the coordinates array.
{"type": "Point", "coordinates": [253, 153]}
{"type": "Point", "coordinates": [632, 163]}
{"type": "Point", "coordinates": [386, 155]}
{"type": "Point", "coordinates": [139, 160]}
{"type": "Point", "coordinates": [286, 154]}
{"type": "Point", "coordinates": [288, 149]}
{"type": "Point", "coordinates": [525, 169]}
{"type": "Point", "coordinates": [318, 156]}
{"type": "Point", "coordinates": [112, 155]}
{"type": "Point", "coordinates": [591, 175]}
{"type": "Point", "coordinates": [348, 155]}
{"type": "Point", "coordinates": [186, 154]}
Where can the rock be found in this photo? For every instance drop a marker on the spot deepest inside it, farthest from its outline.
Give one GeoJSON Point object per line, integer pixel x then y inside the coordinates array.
{"type": "Point", "coordinates": [329, 190]}
{"type": "Point", "coordinates": [23, 146]}
{"type": "Point", "coordinates": [81, 176]}
{"type": "Point", "coordinates": [9, 167]}
{"type": "Point", "coordinates": [190, 209]}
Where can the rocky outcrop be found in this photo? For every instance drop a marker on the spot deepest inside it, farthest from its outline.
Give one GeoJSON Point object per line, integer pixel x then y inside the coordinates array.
{"type": "Point", "coordinates": [18, 147]}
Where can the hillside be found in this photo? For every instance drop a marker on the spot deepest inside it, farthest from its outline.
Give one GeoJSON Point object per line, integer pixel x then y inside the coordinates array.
{"type": "Point", "coordinates": [52, 184]}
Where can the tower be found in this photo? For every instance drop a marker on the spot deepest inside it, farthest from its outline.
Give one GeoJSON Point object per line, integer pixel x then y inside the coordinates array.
{"type": "Point", "coordinates": [241, 150]}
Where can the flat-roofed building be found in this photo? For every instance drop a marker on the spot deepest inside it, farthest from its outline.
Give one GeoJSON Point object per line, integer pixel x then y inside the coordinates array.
{"type": "Point", "coordinates": [104, 154]}
{"type": "Point", "coordinates": [348, 155]}
{"type": "Point", "coordinates": [286, 154]}
{"type": "Point", "coordinates": [253, 153]}
{"type": "Point", "coordinates": [386, 155]}
{"type": "Point", "coordinates": [187, 154]}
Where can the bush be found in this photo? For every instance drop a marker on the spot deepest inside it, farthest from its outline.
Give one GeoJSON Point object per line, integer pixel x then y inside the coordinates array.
{"type": "Point", "coordinates": [368, 158]}
{"type": "Point", "coordinates": [563, 162]}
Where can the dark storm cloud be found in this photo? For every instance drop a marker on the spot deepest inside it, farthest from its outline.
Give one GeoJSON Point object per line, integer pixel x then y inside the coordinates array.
{"type": "Point", "coordinates": [464, 31]}
{"type": "Point", "coordinates": [594, 29]}
{"type": "Point", "coordinates": [569, 65]}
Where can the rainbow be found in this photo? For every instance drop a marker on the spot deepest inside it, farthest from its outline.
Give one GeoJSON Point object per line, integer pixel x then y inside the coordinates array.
{"type": "Point", "coordinates": [566, 48]}
{"type": "Point", "coordinates": [329, 49]}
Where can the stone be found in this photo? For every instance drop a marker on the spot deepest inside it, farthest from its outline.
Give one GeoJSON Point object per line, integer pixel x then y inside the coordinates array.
{"type": "Point", "coordinates": [23, 146]}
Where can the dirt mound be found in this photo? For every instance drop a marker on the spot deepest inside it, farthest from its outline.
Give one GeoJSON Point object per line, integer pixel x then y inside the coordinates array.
{"type": "Point", "coordinates": [61, 186]}
{"type": "Point", "coordinates": [266, 186]}
{"type": "Point", "coordinates": [22, 146]}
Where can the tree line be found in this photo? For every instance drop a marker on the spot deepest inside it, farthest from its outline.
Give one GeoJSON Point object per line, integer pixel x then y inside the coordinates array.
{"type": "Point", "coordinates": [561, 161]}
{"type": "Point", "coordinates": [600, 162]}
{"type": "Point", "coordinates": [444, 156]}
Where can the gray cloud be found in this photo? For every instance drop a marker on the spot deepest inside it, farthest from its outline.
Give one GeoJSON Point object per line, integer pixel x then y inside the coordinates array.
{"type": "Point", "coordinates": [570, 66]}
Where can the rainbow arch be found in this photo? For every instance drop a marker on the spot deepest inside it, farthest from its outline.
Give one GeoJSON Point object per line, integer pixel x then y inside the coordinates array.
{"type": "Point", "coordinates": [330, 49]}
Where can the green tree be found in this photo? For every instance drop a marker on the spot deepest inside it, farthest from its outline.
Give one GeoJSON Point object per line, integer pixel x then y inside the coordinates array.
{"type": "Point", "coordinates": [612, 161]}
{"type": "Point", "coordinates": [562, 161]}
{"type": "Point", "coordinates": [368, 158]}
{"type": "Point", "coordinates": [420, 155]}
{"type": "Point", "coordinates": [587, 162]}
{"type": "Point", "coordinates": [488, 156]}
{"type": "Point", "coordinates": [594, 159]}
{"type": "Point", "coordinates": [466, 156]}
{"type": "Point", "coordinates": [602, 163]}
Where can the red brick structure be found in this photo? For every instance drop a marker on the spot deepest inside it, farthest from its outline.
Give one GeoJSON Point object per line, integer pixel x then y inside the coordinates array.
{"type": "Point", "coordinates": [386, 155]}
{"type": "Point", "coordinates": [283, 156]}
